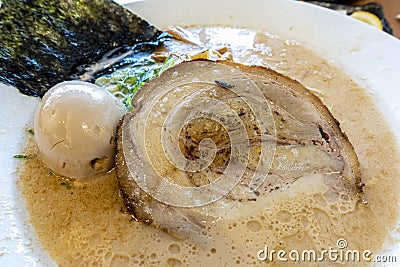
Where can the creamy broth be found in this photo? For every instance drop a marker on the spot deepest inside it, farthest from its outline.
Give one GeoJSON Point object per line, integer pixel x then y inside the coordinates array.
{"type": "Point", "coordinates": [83, 223]}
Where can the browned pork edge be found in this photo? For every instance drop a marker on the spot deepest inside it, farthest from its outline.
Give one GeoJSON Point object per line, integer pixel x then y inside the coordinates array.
{"type": "Point", "coordinates": [133, 203]}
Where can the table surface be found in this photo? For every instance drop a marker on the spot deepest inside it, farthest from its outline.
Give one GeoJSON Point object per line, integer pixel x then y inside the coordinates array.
{"type": "Point", "coordinates": [391, 9]}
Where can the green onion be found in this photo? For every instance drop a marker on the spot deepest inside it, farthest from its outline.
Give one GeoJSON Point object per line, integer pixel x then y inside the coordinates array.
{"type": "Point", "coordinates": [66, 185]}
{"type": "Point", "coordinates": [125, 83]}
{"type": "Point", "coordinates": [20, 156]}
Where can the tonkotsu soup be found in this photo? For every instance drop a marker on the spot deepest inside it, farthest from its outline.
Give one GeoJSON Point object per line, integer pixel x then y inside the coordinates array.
{"type": "Point", "coordinates": [85, 224]}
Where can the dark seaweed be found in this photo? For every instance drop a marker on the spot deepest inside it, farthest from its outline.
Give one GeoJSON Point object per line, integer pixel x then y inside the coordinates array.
{"type": "Point", "coordinates": [44, 42]}
{"type": "Point", "coordinates": [224, 84]}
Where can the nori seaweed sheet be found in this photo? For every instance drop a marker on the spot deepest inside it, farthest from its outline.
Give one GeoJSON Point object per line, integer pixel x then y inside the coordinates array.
{"type": "Point", "coordinates": [44, 42]}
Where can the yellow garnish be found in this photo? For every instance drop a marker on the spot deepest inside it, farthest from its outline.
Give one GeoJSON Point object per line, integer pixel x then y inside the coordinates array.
{"type": "Point", "coordinates": [369, 18]}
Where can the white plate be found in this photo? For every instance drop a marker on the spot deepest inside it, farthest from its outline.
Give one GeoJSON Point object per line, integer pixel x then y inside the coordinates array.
{"type": "Point", "coordinates": [370, 56]}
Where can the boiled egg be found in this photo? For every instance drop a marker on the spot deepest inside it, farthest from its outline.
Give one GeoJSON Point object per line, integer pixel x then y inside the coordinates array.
{"type": "Point", "coordinates": [75, 125]}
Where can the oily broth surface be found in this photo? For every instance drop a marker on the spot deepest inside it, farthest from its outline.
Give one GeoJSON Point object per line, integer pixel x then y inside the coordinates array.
{"type": "Point", "coordinates": [81, 223]}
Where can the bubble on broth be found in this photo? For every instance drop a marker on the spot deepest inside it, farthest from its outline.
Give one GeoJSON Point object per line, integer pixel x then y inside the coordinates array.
{"type": "Point", "coordinates": [82, 223]}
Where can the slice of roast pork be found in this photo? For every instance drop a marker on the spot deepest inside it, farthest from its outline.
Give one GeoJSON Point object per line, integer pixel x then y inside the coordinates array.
{"type": "Point", "coordinates": [205, 135]}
